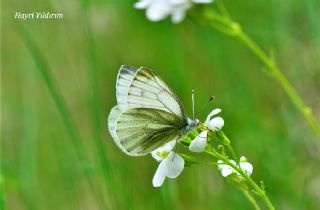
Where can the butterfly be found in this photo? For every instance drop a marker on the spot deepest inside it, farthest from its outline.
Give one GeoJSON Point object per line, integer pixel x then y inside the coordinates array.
{"type": "Point", "coordinates": [148, 114]}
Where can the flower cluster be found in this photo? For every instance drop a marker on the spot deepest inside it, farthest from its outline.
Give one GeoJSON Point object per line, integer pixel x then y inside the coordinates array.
{"type": "Point", "coordinates": [214, 124]}
{"type": "Point", "coordinates": [227, 170]}
{"type": "Point", "coordinates": [171, 163]}
{"type": "Point", "coordinates": [157, 10]}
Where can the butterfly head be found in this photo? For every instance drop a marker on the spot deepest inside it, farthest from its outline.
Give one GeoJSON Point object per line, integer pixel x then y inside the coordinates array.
{"type": "Point", "coordinates": [191, 124]}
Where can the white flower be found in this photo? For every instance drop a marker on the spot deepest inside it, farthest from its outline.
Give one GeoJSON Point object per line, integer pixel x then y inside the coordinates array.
{"type": "Point", "coordinates": [199, 143]}
{"type": "Point", "coordinates": [216, 123]}
{"type": "Point", "coordinates": [227, 170]}
{"type": "Point", "coordinates": [157, 10]}
{"type": "Point", "coordinates": [162, 152]}
{"type": "Point", "coordinates": [171, 164]}
{"type": "Point", "coordinates": [245, 165]}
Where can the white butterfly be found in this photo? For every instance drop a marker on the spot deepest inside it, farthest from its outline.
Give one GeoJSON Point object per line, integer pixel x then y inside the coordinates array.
{"type": "Point", "coordinates": [148, 114]}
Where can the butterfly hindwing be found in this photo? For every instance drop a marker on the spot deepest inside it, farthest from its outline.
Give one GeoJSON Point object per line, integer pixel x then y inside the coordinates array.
{"type": "Point", "coordinates": [138, 131]}
{"type": "Point", "coordinates": [112, 124]}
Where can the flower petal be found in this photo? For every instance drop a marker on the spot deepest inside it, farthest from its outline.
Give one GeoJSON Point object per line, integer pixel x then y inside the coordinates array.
{"type": "Point", "coordinates": [158, 10]}
{"type": "Point", "coordinates": [170, 167]}
{"type": "Point", "coordinates": [169, 146]}
{"type": "Point", "coordinates": [226, 171]}
{"type": "Point", "coordinates": [177, 2]}
{"type": "Point", "coordinates": [215, 124]}
{"type": "Point", "coordinates": [202, 1]}
{"type": "Point", "coordinates": [156, 156]}
{"type": "Point", "coordinates": [247, 167]}
{"type": "Point", "coordinates": [174, 164]}
{"type": "Point", "coordinates": [178, 12]}
{"type": "Point", "coordinates": [233, 162]}
{"type": "Point", "coordinates": [199, 143]}
{"type": "Point", "coordinates": [178, 15]}
{"type": "Point", "coordinates": [221, 165]}
{"type": "Point", "coordinates": [165, 148]}
{"type": "Point", "coordinates": [213, 112]}
{"type": "Point", "coordinates": [142, 4]}
{"type": "Point", "coordinates": [160, 174]}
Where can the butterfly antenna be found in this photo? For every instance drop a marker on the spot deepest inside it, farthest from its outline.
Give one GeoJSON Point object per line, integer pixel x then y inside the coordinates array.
{"type": "Point", "coordinates": [205, 105]}
{"type": "Point", "coordinates": [192, 104]}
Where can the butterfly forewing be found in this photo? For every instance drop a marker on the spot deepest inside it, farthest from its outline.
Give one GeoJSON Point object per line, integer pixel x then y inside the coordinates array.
{"type": "Point", "coordinates": [142, 88]}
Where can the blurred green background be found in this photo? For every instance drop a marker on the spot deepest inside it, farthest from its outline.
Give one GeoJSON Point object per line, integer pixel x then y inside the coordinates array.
{"type": "Point", "coordinates": [50, 164]}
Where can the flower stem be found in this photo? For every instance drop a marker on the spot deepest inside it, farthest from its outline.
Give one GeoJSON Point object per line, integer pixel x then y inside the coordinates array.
{"type": "Point", "coordinates": [224, 24]}
{"type": "Point", "coordinates": [223, 138]}
{"type": "Point", "coordinates": [211, 151]}
{"type": "Point", "coordinates": [279, 76]}
{"type": "Point", "coordinates": [251, 199]}
{"type": "Point", "coordinates": [233, 154]}
{"type": "Point", "coordinates": [249, 180]}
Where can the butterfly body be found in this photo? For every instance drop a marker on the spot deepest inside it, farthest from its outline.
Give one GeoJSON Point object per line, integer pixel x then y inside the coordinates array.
{"type": "Point", "coordinates": [148, 114]}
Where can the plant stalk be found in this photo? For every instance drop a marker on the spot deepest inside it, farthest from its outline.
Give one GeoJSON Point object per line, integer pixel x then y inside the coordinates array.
{"type": "Point", "coordinates": [224, 24]}
{"type": "Point", "coordinates": [251, 199]}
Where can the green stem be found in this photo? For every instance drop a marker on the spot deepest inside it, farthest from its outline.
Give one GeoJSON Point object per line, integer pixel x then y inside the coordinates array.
{"type": "Point", "coordinates": [192, 159]}
{"type": "Point", "coordinates": [223, 138]}
{"type": "Point", "coordinates": [226, 142]}
{"type": "Point", "coordinates": [233, 154]}
{"type": "Point", "coordinates": [222, 9]}
{"type": "Point", "coordinates": [279, 76]}
{"type": "Point", "coordinates": [211, 151]}
{"type": "Point", "coordinates": [224, 24]}
{"type": "Point", "coordinates": [251, 199]}
{"type": "Point", "coordinates": [249, 180]}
